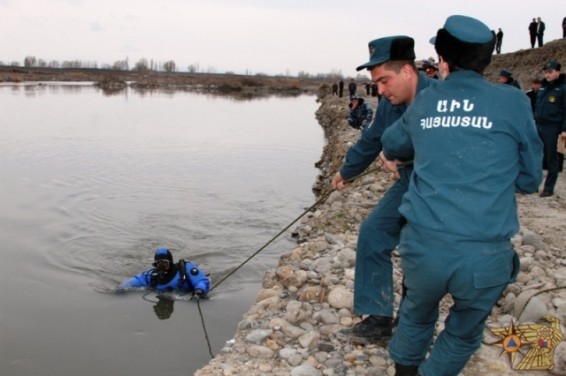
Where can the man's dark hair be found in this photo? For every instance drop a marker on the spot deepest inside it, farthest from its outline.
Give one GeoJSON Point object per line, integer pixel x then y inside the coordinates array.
{"type": "Point", "coordinates": [396, 65]}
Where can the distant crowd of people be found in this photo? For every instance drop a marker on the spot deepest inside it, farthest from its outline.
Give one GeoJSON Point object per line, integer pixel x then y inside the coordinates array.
{"type": "Point", "coordinates": [536, 33]}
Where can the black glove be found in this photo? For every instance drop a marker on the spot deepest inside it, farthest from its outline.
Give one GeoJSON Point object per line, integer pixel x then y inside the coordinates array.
{"type": "Point", "coordinates": [198, 293]}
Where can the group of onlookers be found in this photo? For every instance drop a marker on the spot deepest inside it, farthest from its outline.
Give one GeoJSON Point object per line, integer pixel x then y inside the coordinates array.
{"type": "Point", "coordinates": [548, 103]}
{"type": "Point", "coordinates": [536, 32]}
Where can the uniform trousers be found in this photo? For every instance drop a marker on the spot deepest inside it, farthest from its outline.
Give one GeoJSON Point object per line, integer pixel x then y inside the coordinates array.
{"type": "Point", "coordinates": [548, 134]}
{"type": "Point", "coordinates": [379, 235]}
{"type": "Point", "coordinates": [473, 273]}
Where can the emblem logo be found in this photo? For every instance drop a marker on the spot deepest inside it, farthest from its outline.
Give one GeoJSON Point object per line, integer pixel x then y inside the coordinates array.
{"type": "Point", "coordinates": [534, 342]}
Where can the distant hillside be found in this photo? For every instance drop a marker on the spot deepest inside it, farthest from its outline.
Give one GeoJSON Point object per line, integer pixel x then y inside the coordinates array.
{"type": "Point", "coordinates": [527, 64]}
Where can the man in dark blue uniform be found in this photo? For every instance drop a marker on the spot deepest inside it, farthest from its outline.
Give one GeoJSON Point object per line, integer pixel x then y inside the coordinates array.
{"type": "Point", "coordinates": [166, 276]}
{"type": "Point", "coordinates": [475, 145]}
{"type": "Point", "coordinates": [550, 116]}
{"type": "Point", "coordinates": [360, 113]}
{"type": "Point", "coordinates": [352, 88]}
{"type": "Point", "coordinates": [393, 69]}
{"type": "Point", "coordinates": [506, 77]}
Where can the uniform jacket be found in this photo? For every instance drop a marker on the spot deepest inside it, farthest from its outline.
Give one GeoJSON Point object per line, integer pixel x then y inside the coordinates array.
{"type": "Point", "coordinates": [195, 279]}
{"type": "Point", "coordinates": [368, 146]}
{"type": "Point", "coordinates": [551, 103]}
{"type": "Point", "coordinates": [471, 155]}
{"type": "Point", "coordinates": [360, 115]}
{"type": "Point", "coordinates": [533, 98]}
{"type": "Point", "coordinates": [513, 82]}
{"type": "Point", "coordinates": [533, 28]}
{"type": "Point", "coordinates": [540, 28]}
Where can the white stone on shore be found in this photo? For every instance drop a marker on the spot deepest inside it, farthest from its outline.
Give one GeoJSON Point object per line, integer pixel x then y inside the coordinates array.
{"type": "Point", "coordinates": [292, 331]}
{"type": "Point", "coordinates": [304, 370]}
{"type": "Point", "coordinates": [326, 316]}
{"type": "Point", "coordinates": [309, 340]}
{"type": "Point", "coordinates": [266, 293]}
{"type": "Point", "coordinates": [533, 239]}
{"type": "Point", "coordinates": [258, 335]}
{"type": "Point", "coordinates": [286, 352]}
{"type": "Point", "coordinates": [257, 351]}
{"type": "Point", "coordinates": [340, 297]}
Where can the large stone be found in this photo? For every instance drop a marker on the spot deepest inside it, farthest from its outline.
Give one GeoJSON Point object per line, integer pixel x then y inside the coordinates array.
{"type": "Point", "coordinates": [257, 351]}
{"type": "Point", "coordinates": [309, 340]}
{"type": "Point", "coordinates": [265, 293]}
{"type": "Point", "coordinates": [290, 277]}
{"type": "Point", "coordinates": [286, 352]}
{"type": "Point", "coordinates": [326, 316]}
{"type": "Point", "coordinates": [533, 239]}
{"type": "Point", "coordinates": [312, 294]}
{"type": "Point", "coordinates": [257, 336]}
{"type": "Point", "coordinates": [296, 313]}
{"type": "Point", "coordinates": [535, 310]}
{"type": "Point", "coordinates": [340, 297]}
{"type": "Point", "coordinates": [346, 258]}
{"type": "Point", "coordinates": [305, 370]}
{"type": "Point", "coordinates": [293, 331]}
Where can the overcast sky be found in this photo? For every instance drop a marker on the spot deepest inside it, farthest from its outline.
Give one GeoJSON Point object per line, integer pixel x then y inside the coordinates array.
{"type": "Point", "coordinates": [248, 36]}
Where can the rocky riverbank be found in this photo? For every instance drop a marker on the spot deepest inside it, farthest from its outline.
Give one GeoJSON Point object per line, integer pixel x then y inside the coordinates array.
{"type": "Point", "coordinates": [294, 327]}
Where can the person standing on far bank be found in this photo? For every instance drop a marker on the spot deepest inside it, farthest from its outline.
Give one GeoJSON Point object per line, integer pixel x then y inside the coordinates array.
{"type": "Point", "coordinates": [533, 32]}
{"type": "Point", "coordinates": [540, 32]}
{"type": "Point", "coordinates": [352, 88]}
{"type": "Point", "coordinates": [550, 116]}
{"type": "Point", "coordinates": [499, 41]}
{"type": "Point", "coordinates": [475, 146]}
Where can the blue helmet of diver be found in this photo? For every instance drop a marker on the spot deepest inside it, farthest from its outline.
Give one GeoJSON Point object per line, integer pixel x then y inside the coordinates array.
{"type": "Point", "coordinates": [163, 261]}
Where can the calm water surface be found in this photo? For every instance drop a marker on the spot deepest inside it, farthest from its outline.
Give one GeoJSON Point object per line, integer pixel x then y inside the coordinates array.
{"type": "Point", "coordinates": [91, 184]}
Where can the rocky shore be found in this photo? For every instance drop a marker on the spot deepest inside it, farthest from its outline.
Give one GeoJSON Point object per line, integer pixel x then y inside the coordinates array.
{"type": "Point", "coordinates": [306, 300]}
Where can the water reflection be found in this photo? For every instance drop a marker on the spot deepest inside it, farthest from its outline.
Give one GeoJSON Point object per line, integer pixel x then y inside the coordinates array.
{"type": "Point", "coordinates": [92, 183]}
{"type": "Point", "coordinates": [237, 94]}
{"type": "Point", "coordinates": [163, 307]}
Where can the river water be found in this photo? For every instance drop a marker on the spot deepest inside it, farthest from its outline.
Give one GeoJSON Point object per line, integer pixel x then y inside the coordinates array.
{"type": "Point", "coordinates": [91, 184]}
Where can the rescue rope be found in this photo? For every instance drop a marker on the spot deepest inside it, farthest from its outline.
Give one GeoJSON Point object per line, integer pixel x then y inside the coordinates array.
{"type": "Point", "coordinates": [324, 197]}
{"type": "Point", "coordinates": [318, 202]}
{"type": "Point", "coordinates": [204, 328]}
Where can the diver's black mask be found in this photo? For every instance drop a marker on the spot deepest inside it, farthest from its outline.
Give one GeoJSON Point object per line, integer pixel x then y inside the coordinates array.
{"type": "Point", "coordinates": [162, 267]}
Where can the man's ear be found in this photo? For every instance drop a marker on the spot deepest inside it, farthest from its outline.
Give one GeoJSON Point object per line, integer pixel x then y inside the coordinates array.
{"type": "Point", "coordinates": [407, 69]}
{"type": "Point", "coordinates": [443, 69]}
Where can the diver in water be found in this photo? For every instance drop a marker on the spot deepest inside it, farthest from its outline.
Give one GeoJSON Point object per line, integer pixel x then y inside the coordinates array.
{"type": "Point", "coordinates": [166, 275]}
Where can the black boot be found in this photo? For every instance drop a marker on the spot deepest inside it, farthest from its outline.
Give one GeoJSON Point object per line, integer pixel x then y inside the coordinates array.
{"type": "Point", "coordinates": [374, 327]}
{"type": "Point", "coordinates": [401, 370]}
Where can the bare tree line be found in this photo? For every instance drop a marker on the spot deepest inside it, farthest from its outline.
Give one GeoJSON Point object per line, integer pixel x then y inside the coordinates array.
{"type": "Point", "coordinates": [144, 64]}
